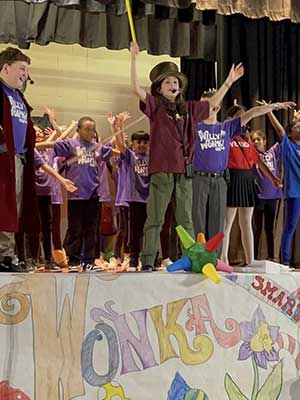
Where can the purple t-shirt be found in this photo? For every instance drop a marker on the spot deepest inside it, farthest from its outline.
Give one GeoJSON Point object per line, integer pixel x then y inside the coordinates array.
{"type": "Point", "coordinates": [166, 152]}
{"type": "Point", "coordinates": [19, 116]}
{"type": "Point", "coordinates": [138, 176]}
{"type": "Point", "coordinates": [43, 181]}
{"type": "Point", "coordinates": [84, 171]}
{"type": "Point", "coordinates": [271, 158]}
{"type": "Point", "coordinates": [212, 144]}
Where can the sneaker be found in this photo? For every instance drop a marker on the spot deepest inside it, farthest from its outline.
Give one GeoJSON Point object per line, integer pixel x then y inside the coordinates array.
{"type": "Point", "coordinates": [51, 267]}
{"type": "Point", "coordinates": [75, 268]}
{"type": "Point", "coordinates": [10, 265]}
{"type": "Point", "coordinates": [35, 264]}
{"type": "Point", "coordinates": [114, 263]}
{"type": "Point", "coordinates": [92, 268]}
{"type": "Point", "coordinates": [126, 262]}
{"type": "Point", "coordinates": [26, 267]}
{"type": "Point", "coordinates": [101, 263]}
{"type": "Point", "coordinates": [60, 258]}
{"type": "Point", "coordinates": [165, 263]}
{"type": "Point", "coordinates": [146, 268]}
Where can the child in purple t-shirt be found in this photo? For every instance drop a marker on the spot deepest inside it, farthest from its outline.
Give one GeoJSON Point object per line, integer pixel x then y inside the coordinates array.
{"type": "Point", "coordinates": [172, 139]}
{"type": "Point", "coordinates": [210, 161]}
{"type": "Point", "coordinates": [265, 207]}
{"type": "Point", "coordinates": [82, 155]}
{"type": "Point", "coordinates": [136, 161]}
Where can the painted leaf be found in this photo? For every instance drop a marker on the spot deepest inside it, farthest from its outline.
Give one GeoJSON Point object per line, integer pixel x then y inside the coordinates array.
{"type": "Point", "coordinates": [271, 389]}
{"type": "Point", "coordinates": [232, 390]}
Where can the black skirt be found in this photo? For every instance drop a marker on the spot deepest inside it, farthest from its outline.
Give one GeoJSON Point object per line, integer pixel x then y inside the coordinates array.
{"type": "Point", "coordinates": [241, 191]}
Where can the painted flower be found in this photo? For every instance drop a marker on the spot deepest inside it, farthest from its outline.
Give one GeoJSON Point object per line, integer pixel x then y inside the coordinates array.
{"type": "Point", "coordinates": [258, 339]}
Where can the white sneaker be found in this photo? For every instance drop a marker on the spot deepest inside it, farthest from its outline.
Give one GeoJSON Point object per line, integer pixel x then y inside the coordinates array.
{"type": "Point", "coordinates": [125, 263]}
{"type": "Point", "coordinates": [165, 263]}
{"type": "Point", "coordinates": [114, 264]}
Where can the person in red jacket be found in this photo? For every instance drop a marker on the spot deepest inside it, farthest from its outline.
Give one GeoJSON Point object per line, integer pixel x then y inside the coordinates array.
{"type": "Point", "coordinates": [17, 175]}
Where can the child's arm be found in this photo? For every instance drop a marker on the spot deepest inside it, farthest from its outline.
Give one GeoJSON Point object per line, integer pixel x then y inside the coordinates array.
{"type": "Point", "coordinates": [52, 134]}
{"type": "Point", "coordinates": [52, 119]}
{"type": "Point", "coordinates": [265, 170]}
{"type": "Point", "coordinates": [264, 109]}
{"type": "Point", "coordinates": [136, 88]}
{"type": "Point", "coordinates": [120, 142]}
{"type": "Point", "coordinates": [68, 131]}
{"type": "Point", "coordinates": [66, 183]}
{"type": "Point", "coordinates": [45, 145]}
{"type": "Point", "coordinates": [235, 73]}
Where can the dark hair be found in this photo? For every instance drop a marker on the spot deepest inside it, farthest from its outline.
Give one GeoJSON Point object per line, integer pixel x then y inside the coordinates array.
{"type": "Point", "coordinates": [259, 133]}
{"type": "Point", "coordinates": [140, 135]}
{"type": "Point", "coordinates": [230, 113]}
{"type": "Point", "coordinates": [289, 128]}
{"type": "Point", "coordinates": [82, 120]}
{"type": "Point", "coordinates": [42, 122]}
{"type": "Point", "coordinates": [180, 104]}
{"type": "Point", "coordinates": [10, 55]}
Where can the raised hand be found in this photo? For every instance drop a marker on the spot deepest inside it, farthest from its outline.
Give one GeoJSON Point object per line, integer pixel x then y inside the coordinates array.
{"type": "Point", "coordinates": [48, 132]}
{"type": "Point", "coordinates": [283, 105]}
{"type": "Point", "coordinates": [236, 72]}
{"type": "Point", "coordinates": [121, 118]}
{"type": "Point", "coordinates": [262, 102]}
{"type": "Point", "coordinates": [50, 112]}
{"type": "Point", "coordinates": [296, 116]}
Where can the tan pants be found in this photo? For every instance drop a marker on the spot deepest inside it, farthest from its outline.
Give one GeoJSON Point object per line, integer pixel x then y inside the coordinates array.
{"type": "Point", "coordinates": [7, 239]}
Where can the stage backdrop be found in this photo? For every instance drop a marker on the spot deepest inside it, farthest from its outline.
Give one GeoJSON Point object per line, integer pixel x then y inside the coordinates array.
{"type": "Point", "coordinates": [149, 337]}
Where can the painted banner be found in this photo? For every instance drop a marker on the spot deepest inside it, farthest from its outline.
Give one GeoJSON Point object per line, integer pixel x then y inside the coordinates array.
{"type": "Point", "coordinates": [156, 336]}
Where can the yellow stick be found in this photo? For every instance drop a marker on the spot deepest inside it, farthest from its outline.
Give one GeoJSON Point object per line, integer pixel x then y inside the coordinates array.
{"type": "Point", "coordinates": [130, 20]}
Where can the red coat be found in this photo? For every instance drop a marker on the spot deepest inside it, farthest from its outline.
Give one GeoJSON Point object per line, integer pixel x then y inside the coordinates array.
{"type": "Point", "coordinates": [29, 219]}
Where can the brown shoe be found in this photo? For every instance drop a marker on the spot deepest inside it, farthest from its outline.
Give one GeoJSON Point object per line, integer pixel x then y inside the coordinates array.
{"type": "Point", "coordinates": [60, 258]}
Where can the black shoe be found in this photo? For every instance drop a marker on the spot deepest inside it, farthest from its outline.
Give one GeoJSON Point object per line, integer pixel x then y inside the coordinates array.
{"type": "Point", "coordinates": [92, 267]}
{"type": "Point", "coordinates": [51, 267]}
{"type": "Point", "coordinates": [8, 265]}
{"type": "Point", "coordinates": [25, 267]}
{"type": "Point", "coordinates": [5, 265]}
{"type": "Point", "coordinates": [146, 268]}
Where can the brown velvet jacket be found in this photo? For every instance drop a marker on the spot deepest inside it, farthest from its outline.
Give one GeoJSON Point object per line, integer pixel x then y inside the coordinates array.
{"type": "Point", "coordinates": [29, 219]}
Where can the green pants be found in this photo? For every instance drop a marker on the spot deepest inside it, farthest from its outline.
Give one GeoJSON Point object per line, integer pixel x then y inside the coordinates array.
{"type": "Point", "coordinates": [162, 186]}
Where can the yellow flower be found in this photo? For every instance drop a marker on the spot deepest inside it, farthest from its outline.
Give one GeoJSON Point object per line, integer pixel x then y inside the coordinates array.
{"type": "Point", "coordinates": [262, 340]}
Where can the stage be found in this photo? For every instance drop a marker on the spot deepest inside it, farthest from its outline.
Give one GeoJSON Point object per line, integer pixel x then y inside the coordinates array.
{"type": "Point", "coordinates": [150, 336]}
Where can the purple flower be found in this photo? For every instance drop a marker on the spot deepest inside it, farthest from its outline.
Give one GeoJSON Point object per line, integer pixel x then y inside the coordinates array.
{"type": "Point", "coordinates": [258, 340]}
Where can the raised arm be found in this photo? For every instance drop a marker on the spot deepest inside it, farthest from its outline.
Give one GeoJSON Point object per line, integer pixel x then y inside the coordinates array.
{"type": "Point", "coordinates": [264, 109]}
{"type": "Point", "coordinates": [69, 130]}
{"type": "Point", "coordinates": [136, 88]}
{"type": "Point", "coordinates": [236, 72]}
{"type": "Point", "coordinates": [51, 114]}
{"type": "Point", "coordinates": [45, 145]}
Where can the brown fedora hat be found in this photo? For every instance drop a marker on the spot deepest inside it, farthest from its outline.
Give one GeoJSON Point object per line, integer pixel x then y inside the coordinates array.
{"type": "Point", "coordinates": [164, 69]}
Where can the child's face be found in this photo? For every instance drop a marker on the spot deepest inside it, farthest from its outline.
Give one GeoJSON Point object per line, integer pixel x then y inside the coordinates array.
{"type": "Point", "coordinates": [39, 134]}
{"type": "Point", "coordinates": [259, 142]}
{"type": "Point", "coordinates": [87, 131]}
{"type": "Point", "coordinates": [16, 74]}
{"type": "Point", "coordinates": [295, 133]}
{"type": "Point", "coordinates": [140, 146]}
{"type": "Point", "coordinates": [170, 88]}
